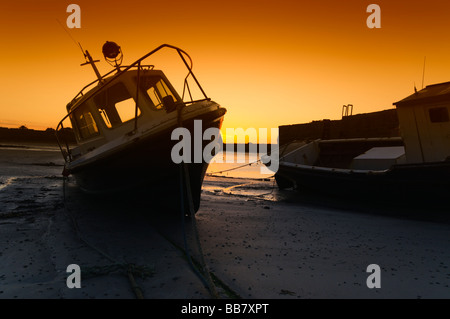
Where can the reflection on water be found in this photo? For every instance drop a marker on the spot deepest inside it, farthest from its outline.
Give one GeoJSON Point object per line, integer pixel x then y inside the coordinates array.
{"type": "Point", "coordinates": [244, 166]}
{"type": "Point", "coordinates": [245, 178]}
{"type": "Point", "coordinates": [29, 146]}
{"type": "Point", "coordinates": [6, 181]}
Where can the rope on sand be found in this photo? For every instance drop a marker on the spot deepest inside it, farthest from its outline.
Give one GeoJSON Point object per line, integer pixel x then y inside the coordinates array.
{"type": "Point", "coordinates": [185, 187]}
{"type": "Point", "coordinates": [251, 163]}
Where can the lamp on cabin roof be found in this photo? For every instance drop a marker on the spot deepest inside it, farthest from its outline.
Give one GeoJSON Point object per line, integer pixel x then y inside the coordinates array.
{"type": "Point", "coordinates": [112, 53]}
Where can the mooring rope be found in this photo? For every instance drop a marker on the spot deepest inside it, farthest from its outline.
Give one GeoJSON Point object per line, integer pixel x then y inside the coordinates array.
{"type": "Point", "coordinates": [185, 185]}
{"type": "Point", "coordinates": [251, 163]}
{"type": "Point", "coordinates": [233, 168]}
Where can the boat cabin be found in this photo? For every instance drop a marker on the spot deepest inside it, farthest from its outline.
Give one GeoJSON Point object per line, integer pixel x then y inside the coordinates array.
{"type": "Point", "coordinates": [425, 124]}
{"type": "Point", "coordinates": [108, 111]}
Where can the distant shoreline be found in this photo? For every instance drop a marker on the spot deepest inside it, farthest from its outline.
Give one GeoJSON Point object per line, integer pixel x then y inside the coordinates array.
{"type": "Point", "coordinates": [48, 137]}
{"type": "Point", "coordinates": [25, 135]}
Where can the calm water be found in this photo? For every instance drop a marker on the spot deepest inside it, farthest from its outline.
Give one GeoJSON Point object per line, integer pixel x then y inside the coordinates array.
{"type": "Point", "coordinates": [13, 157]}
{"type": "Point", "coordinates": [249, 167]}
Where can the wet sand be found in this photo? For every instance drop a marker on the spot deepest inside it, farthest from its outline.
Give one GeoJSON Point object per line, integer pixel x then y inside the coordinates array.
{"type": "Point", "coordinates": [273, 246]}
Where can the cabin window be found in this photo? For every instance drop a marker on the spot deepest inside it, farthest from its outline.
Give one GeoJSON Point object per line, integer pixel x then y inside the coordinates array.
{"type": "Point", "coordinates": [116, 105]}
{"type": "Point", "coordinates": [152, 93]}
{"type": "Point", "coordinates": [157, 90]}
{"type": "Point", "coordinates": [439, 115]}
{"type": "Point", "coordinates": [85, 123]}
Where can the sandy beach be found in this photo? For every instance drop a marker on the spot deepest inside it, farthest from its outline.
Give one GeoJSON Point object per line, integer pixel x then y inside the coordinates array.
{"type": "Point", "coordinates": [257, 242]}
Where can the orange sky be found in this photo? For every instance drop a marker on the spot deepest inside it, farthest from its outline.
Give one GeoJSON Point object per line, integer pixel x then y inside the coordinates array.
{"type": "Point", "coordinates": [269, 63]}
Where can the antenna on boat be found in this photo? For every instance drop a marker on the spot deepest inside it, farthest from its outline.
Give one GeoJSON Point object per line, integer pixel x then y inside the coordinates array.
{"type": "Point", "coordinates": [423, 73]}
{"type": "Point", "coordinates": [86, 54]}
{"type": "Point", "coordinates": [70, 36]}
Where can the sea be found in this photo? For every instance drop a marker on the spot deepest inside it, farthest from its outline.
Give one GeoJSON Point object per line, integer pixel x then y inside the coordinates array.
{"type": "Point", "coordinates": [242, 165]}
{"type": "Point", "coordinates": [246, 176]}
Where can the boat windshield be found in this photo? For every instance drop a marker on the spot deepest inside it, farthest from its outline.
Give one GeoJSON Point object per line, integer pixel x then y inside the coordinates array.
{"type": "Point", "coordinates": [157, 90]}
{"type": "Point", "coordinates": [116, 105]}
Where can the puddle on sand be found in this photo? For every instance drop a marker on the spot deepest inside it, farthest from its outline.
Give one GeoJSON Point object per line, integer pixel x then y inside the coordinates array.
{"type": "Point", "coordinates": [6, 181]}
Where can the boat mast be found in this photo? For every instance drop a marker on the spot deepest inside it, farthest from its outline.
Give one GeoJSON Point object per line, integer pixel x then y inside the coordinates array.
{"type": "Point", "coordinates": [92, 62]}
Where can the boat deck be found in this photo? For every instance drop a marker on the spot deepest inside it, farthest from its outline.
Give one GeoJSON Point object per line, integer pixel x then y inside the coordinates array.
{"type": "Point", "coordinates": [340, 153]}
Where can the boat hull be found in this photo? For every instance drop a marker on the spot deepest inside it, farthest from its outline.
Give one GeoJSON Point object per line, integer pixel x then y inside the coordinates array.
{"type": "Point", "coordinates": [406, 184]}
{"type": "Point", "coordinates": [145, 168]}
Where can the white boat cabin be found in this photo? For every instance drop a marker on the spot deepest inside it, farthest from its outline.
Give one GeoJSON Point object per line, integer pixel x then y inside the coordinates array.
{"type": "Point", "coordinates": [425, 124]}
{"type": "Point", "coordinates": [108, 111]}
